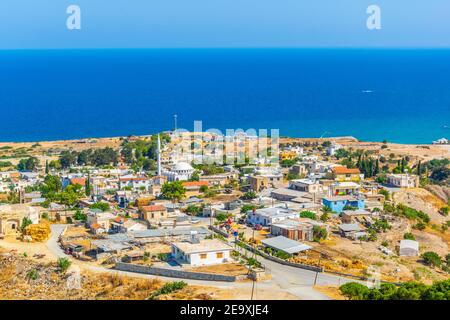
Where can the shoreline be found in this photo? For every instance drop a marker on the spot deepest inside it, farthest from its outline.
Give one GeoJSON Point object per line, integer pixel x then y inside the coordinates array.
{"type": "Point", "coordinates": [344, 138]}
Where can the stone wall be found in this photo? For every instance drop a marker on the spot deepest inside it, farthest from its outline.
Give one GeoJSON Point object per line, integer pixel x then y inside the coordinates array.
{"type": "Point", "coordinates": [173, 273]}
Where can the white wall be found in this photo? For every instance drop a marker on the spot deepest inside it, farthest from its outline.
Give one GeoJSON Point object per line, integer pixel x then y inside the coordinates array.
{"type": "Point", "coordinates": [211, 258]}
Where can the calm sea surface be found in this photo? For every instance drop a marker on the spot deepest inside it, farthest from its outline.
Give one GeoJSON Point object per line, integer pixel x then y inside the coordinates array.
{"type": "Point", "coordinates": [398, 95]}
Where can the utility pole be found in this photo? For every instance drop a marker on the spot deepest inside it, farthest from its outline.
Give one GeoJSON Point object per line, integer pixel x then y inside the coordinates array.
{"type": "Point", "coordinates": [317, 273]}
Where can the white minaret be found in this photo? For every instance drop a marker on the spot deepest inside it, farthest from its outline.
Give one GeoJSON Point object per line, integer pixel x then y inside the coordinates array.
{"type": "Point", "coordinates": [159, 156]}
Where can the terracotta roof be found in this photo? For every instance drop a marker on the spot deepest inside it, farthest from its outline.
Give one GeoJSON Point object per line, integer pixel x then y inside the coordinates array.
{"type": "Point", "coordinates": [344, 170]}
{"type": "Point", "coordinates": [153, 208]}
{"type": "Point", "coordinates": [195, 183]}
{"type": "Point", "coordinates": [95, 226]}
{"type": "Point", "coordinates": [119, 219]}
{"type": "Point", "coordinates": [80, 181]}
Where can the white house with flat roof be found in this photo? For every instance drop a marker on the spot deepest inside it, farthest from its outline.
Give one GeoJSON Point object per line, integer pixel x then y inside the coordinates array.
{"type": "Point", "coordinates": [403, 180]}
{"type": "Point", "coordinates": [306, 185]}
{"type": "Point", "coordinates": [267, 216]}
{"type": "Point", "coordinates": [205, 252]}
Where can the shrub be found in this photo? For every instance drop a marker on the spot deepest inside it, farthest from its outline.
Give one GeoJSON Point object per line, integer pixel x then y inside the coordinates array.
{"type": "Point", "coordinates": [308, 214]}
{"type": "Point", "coordinates": [432, 259]}
{"type": "Point", "coordinates": [354, 291]}
{"type": "Point", "coordinates": [63, 264]}
{"type": "Point", "coordinates": [169, 287]}
{"type": "Point", "coordinates": [319, 233]}
{"type": "Point", "coordinates": [419, 226]}
{"type": "Point", "coordinates": [33, 274]}
{"type": "Point", "coordinates": [409, 236]}
{"type": "Point", "coordinates": [100, 205]}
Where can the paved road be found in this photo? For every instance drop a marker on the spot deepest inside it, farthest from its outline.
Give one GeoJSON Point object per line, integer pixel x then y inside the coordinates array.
{"type": "Point", "coordinates": [298, 282]}
{"type": "Point", "coordinates": [52, 243]}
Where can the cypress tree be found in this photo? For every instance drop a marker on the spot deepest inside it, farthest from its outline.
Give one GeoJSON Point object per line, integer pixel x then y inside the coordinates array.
{"type": "Point", "coordinates": [87, 186]}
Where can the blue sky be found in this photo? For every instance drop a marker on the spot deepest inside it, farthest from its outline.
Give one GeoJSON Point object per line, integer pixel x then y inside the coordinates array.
{"type": "Point", "coordinates": [38, 24]}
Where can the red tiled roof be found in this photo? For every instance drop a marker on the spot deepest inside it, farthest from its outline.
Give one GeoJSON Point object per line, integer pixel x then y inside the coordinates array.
{"type": "Point", "coordinates": [344, 170]}
{"type": "Point", "coordinates": [157, 207]}
{"type": "Point", "coordinates": [95, 226]}
{"type": "Point", "coordinates": [80, 181]}
{"type": "Point", "coordinates": [119, 219]}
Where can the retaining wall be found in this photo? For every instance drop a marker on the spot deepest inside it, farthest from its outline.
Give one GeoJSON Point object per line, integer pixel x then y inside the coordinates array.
{"type": "Point", "coordinates": [173, 273]}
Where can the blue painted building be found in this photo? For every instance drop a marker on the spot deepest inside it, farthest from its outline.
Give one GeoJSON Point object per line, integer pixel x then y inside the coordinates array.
{"type": "Point", "coordinates": [338, 203]}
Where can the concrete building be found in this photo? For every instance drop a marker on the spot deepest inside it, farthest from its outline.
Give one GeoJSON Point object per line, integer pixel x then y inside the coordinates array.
{"type": "Point", "coordinates": [99, 220]}
{"type": "Point", "coordinates": [306, 185]}
{"type": "Point", "coordinates": [293, 229]}
{"type": "Point", "coordinates": [193, 187]}
{"type": "Point", "coordinates": [11, 217]}
{"type": "Point", "coordinates": [338, 203]}
{"type": "Point", "coordinates": [261, 182]}
{"type": "Point", "coordinates": [268, 216]}
{"type": "Point", "coordinates": [341, 174]}
{"type": "Point", "coordinates": [153, 213]}
{"type": "Point", "coordinates": [351, 230]}
{"type": "Point", "coordinates": [205, 252]}
{"type": "Point", "coordinates": [403, 180]}
{"type": "Point", "coordinates": [409, 248]}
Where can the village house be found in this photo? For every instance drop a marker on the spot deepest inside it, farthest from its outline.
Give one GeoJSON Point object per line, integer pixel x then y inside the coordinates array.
{"type": "Point", "coordinates": [351, 231]}
{"type": "Point", "coordinates": [268, 216]}
{"type": "Point", "coordinates": [73, 179]}
{"type": "Point", "coordinates": [332, 148]}
{"type": "Point", "coordinates": [338, 203]}
{"type": "Point", "coordinates": [220, 179]}
{"type": "Point", "coordinates": [351, 216]}
{"type": "Point", "coordinates": [293, 229]}
{"type": "Point", "coordinates": [306, 185]}
{"type": "Point", "coordinates": [403, 180]}
{"type": "Point", "coordinates": [299, 170]}
{"type": "Point", "coordinates": [341, 174]}
{"type": "Point", "coordinates": [153, 213]}
{"type": "Point", "coordinates": [265, 181]}
{"type": "Point", "coordinates": [193, 187]}
{"type": "Point", "coordinates": [201, 252]}
{"type": "Point", "coordinates": [287, 194]}
{"type": "Point", "coordinates": [288, 155]}
{"type": "Point", "coordinates": [99, 221]}
{"type": "Point", "coordinates": [123, 225]}
{"type": "Point", "coordinates": [135, 183]}
{"type": "Point", "coordinates": [11, 217]}
{"type": "Point", "coordinates": [346, 188]}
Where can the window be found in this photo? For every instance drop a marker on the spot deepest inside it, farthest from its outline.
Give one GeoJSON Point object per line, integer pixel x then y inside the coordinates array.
{"type": "Point", "coordinates": [219, 255]}
{"type": "Point", "coordinates": [203, 256]}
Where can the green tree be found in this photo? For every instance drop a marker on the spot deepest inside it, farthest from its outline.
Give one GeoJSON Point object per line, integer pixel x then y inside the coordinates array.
{"type": "Point", "coordinates": [409, 236]}
{"type": "Point", "coordinates": [28, 164]}
{"type": "Point", "coordinates": [354, 291]}
{"type": "Point", "coordinates": [87, 186]}
{"type": "Point", "coordinates": [25, 223]}
{"type": "Point", "coordinates": [173, 191]}
{"type": "Point", "coordinates": [432, 259]}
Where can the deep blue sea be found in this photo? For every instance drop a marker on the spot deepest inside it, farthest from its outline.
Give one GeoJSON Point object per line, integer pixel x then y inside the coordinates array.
{"type": "Point", "coordinates": [399, 95]}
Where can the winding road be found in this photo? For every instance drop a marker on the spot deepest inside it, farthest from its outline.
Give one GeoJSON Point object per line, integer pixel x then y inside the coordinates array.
{"type": "Point", "coordinates": [296, 281]}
